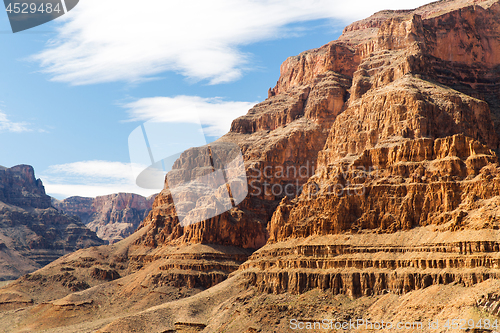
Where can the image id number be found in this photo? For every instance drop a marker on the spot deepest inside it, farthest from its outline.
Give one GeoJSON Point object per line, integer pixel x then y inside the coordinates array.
{"type": "Point", "coordinates": [32, 8]}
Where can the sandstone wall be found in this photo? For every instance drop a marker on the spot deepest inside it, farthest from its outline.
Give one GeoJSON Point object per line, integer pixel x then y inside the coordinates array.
{"type": "Point", "coordinates": [32, 233]}
{"type": "Point", "coordinates": [415, 147]}
{"type": "Point", "coordinates": [19, 187]}
{"type": "Point", "coordinates": [113, 217]}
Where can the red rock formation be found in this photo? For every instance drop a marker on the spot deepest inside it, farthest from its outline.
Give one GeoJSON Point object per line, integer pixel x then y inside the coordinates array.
{"type": "Point", "coordinates": [394, 105]}
{"type": "Point", "coordinates": [32, 233]}
{"type": "Point", "coordinates": [392, 59]}
{"type": "Point", "coordinates": [19, 187]}
{"type": "Point", "coordinates": [279, 139]}
{"type": "Point", "coordinates": [367, 264]}
{"type": "Point", "coordinates": [408, 152]}
{"type": "Point", "coordinates": [113, 217]}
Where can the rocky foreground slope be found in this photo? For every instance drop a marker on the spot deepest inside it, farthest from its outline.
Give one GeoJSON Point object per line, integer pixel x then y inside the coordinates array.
{"type": "Point", "coordinates": [32, 232]}
{"type": "Point", "coordinates": [395, 127]}
{"type": "Point", "coordinates": [113, 217]}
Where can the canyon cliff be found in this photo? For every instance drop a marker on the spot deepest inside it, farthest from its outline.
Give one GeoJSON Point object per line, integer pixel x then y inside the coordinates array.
{"type": "Point", "coordinates": [32, 232]}
{"type": "Point", "coordinates": [387, 140]}
{"type": "Point", "coordinates": [395, 131]}
{"type": "Point", "coordinates": [112, 217]}
{"type": "Point", "coordinates": [414, 151]}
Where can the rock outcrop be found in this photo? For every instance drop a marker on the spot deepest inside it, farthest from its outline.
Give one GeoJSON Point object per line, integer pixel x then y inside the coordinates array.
{"type": "Point", "coordinates": [386, 80]}
{"type": "Point", "coordinates": [32, 232]}
{"type": "Point", "coordinates": [415, 148]}
{"type": "Point", "coordinates": [19, 187]}
{"type": "Point", "coordinates": [374, 187]}
{"type": "Point", "coordinates": [113, 217]}
{"type": "Point", "coordinates": [366, 264]}
{"type": "Point", "coordinates": [280, 139]}
{"type": "Point", "coordinates": [394, 128]}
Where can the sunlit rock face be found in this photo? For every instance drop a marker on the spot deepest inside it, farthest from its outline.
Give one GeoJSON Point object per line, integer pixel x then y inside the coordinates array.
{"type": "Point", "coordinates": [413, 153]}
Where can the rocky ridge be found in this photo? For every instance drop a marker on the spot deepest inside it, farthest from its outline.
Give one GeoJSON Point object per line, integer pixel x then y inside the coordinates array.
{"type": "Point", "coordinates": [19, 187]}
{"type": "Point", "coordinates": [390, 59]}
{"type": "Point", "coordinates": [280, 139]}
{"type": "Point", "coordinates": [406, 129]}
{"type": "Point", "coordinates": [113, 217]}
{"type": "Point", "coordinates": [32, 232]}
{"type": "Point", "coordinates": [413, 149]}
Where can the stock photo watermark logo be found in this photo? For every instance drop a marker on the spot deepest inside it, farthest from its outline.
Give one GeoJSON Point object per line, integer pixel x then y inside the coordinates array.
{"type": "Point", "coordinates": [348, 181]}
{"type": "Point", "coordinates": [281, 181]}
{"type": "Point", "coordinates": [205, 180]}
{"type": "Point", "coordinates": [25, 15]}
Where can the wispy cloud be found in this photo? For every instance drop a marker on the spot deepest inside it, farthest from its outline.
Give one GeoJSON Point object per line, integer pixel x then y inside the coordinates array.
{"type": "Point", "coordinates": [93, 170]}
{"type": "Point", "coordinates": [9, 126]}
{"type": "Point", "coordinates": [123, 40]}
{"type": "Point", "coordinates": [90, 179]}
{"type": "Point", "coordinates": [215, 113]}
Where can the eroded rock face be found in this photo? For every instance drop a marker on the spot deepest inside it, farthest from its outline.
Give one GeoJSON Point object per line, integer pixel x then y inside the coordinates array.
{"type": "Point", "coordinates": [113, 217]}
{"type": "Point", "coordinates": [395, 113]}
{"type": "Point", "coordinates": [33, 233]}
{"type": "Point", "coordinates": [366, 264]}
{"type": "Point", "coordinates": [396, 186]}
{"type": "Point", "coordinates": [415, 147]}
{"type": "Point", "coordinates": [376, 85]}
{"type": "Point", "coordinates": [19, 187]}
{"type": "Point", "coordinates": [279, 139]}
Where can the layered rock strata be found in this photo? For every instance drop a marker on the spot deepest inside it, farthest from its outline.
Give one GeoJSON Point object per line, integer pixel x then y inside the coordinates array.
{"type": "Point", "coordinates": [32, 233]}
{"type": "Point", "coordinates": [279, 140]}
{"type": "Point", "coordinates": [453, 182]}
{"type": "Point", "coordinates": [366, 264]}
{"type": "Point", "coordinates": [387, 79]}
{"type": "Point", "coordinates": [19, 187]}
{"type": "Point", "coordinates": [113, 217]}
{"type": "Point", "coordinates": [415, 148]}
{"type": "Point", "coordinates": [397, 130]}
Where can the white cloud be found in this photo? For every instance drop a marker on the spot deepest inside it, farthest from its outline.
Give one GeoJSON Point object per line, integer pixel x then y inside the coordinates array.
{"type": "Point", "coordinates": [93, 170]}
{"type": "Point", "coordinates": [124, 40]}
{"type": "Point", "coordinates": [8, 126]}
{"type": "Point", "coordinates": [63, 191]}
{"type": "Point", "coordinates": [90, 179]}
{"type": "Point", "coordinates": [215, 113]}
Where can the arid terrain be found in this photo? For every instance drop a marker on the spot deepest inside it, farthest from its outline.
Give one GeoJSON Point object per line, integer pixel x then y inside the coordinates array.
{"type": "Point", "coordinates": [388, 140]}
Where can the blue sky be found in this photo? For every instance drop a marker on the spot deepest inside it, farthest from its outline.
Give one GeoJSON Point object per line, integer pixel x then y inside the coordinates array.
{"type": "Point", "coordinates": [74, 89]}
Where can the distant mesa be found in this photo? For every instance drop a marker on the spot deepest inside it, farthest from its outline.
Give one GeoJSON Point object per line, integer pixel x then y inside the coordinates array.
{"type": "Point", "coordinates": [32, 232]}
{"type": "Point", "coordinates": [113, 217]}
